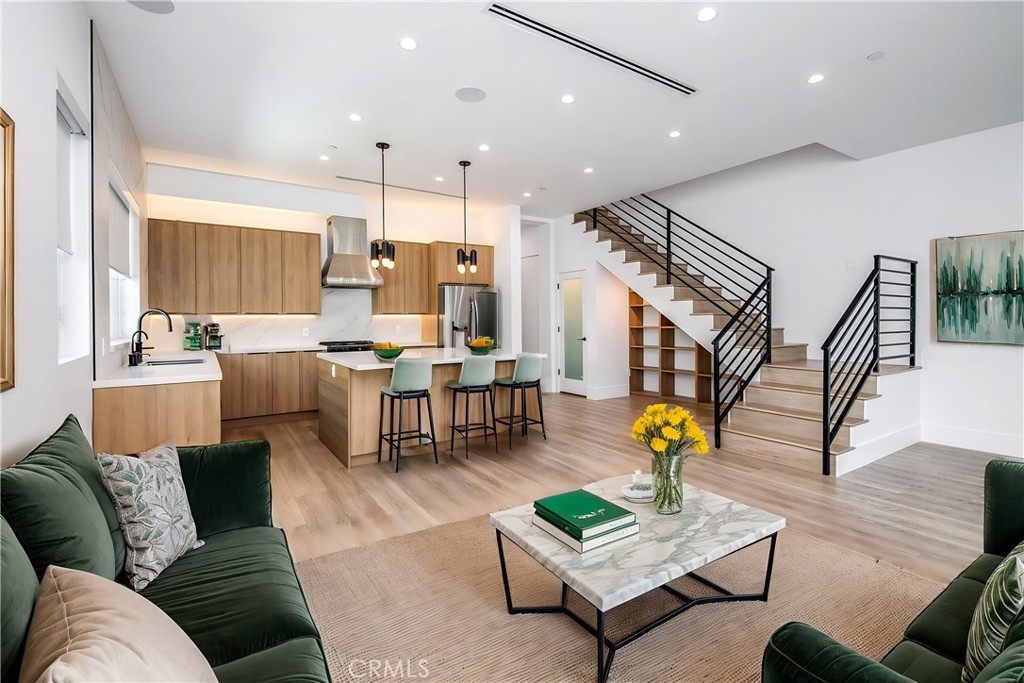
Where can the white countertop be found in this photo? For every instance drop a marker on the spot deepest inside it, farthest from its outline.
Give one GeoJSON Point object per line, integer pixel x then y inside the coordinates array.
{"type": "Point", "coordinates": [142, 375]}
{"type": "Point", "coordinates": [285, 348]}
{"type": "Point", "coordinates": [365, 360]}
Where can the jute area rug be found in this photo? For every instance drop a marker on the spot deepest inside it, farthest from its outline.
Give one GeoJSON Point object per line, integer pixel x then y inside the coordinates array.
{"type": "Point", "coordinates": [430, 606]}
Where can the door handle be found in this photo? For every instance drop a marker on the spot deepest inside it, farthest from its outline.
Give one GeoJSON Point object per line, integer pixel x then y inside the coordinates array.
{"type": "Point", "coordinates": [582, 339]}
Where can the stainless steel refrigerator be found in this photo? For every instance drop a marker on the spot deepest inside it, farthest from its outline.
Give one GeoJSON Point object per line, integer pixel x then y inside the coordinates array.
{"type": "Point", "coordinates": [466, 312]}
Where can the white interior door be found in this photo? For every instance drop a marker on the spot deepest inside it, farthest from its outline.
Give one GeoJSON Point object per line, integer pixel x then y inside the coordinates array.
{"type": "Point", "coordinates": [572, 333]}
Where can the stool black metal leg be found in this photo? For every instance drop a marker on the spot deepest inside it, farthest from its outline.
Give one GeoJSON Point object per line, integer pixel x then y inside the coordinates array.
{"type": "Point", "coordinates": [465, 436]}
{"type": "Point", "coordinates": [398, 447]}
{"type": "Point", "coordinates": [391, 428]}
{"type": "Point", "coordinates": [433, 437]}
{"type": "Point", "coordinates": [526, 422]}
{"type": "Point", "coordinates": [494, 423]}
{"type": "Point", "coordinates": [540, 409]}
{"type": "Point", "coordinates": [451, 425]}
{"type": "Point", "coordinates": [380, 427]}
{"type": "Point", "coordinates": [511, 414]}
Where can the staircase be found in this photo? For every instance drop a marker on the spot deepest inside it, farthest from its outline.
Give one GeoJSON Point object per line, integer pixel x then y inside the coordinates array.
{"type": "Point", "coordinates": [768, 395]}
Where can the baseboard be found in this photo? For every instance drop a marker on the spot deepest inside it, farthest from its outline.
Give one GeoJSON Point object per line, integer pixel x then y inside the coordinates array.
{"type": "Point", "coordinates": [875, 450]}
{"type": "Point", "coordinates": [601, 393]}
{"type": "Point", "coordinates": [1010, 445]}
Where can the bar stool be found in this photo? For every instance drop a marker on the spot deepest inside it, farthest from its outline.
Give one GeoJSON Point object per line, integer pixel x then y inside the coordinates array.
{"type": "Point", "coordinates": [476, 378]}
{"type": "Point", "coordinates": [410, 380]}
{"type": "Point", "coordinates": [525, 375]}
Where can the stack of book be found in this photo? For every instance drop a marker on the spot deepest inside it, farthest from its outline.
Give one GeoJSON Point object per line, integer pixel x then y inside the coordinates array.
{"type": "Point", "coordinates": [583, 521]}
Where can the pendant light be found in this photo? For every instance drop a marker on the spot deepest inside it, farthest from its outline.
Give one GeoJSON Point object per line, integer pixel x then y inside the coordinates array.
{"type": "Point", "coordinates": [464, 258]}
{"type": "Point", "coordinates": [382, 252]}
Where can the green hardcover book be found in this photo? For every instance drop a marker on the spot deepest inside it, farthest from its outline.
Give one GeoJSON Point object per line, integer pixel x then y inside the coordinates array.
{"type": "Point", "coordinates": [582, 514]}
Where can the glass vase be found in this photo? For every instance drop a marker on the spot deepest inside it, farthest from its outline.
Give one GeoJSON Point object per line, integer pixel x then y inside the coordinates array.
{"type": "Point", "coordinates": [667, 480]}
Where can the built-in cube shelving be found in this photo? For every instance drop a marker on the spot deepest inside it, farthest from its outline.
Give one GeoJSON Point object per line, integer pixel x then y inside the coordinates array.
{"type": "Point", "coordinates": [664, 361]}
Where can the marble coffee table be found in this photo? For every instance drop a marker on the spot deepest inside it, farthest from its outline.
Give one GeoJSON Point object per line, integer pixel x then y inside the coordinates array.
{"type": "Point", "coordinates": [666, 548]}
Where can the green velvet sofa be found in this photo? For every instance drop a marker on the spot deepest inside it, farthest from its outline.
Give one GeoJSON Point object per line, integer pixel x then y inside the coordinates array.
{"type": "Point", "coordinates": [237, 597]}
{"type": "Point", "coordinates": [934, 645]}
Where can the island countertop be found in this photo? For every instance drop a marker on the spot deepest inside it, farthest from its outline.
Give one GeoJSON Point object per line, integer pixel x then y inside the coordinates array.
{"type": "Point", "coordinates": [365, 360]}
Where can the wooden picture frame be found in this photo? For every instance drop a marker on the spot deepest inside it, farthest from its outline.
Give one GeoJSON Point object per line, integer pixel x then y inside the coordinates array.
{"type": "Point", "coordinates": [7, 254]}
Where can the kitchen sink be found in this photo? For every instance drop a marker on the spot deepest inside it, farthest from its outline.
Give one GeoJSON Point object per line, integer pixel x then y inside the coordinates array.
{"type": "Point", "coordinates": [176, 361]}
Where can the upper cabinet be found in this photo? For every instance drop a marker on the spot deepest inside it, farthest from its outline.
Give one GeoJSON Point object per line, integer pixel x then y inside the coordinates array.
{"type": "Point", "coordinates": [301, 256]}
{"type": "Point", "coordinates": [172, 266]}
{"type": "Point", "coordinates": [444, 264]}
{"type": "Point", "coordinates": [484, 274]}
{"type": "Point", "coordinates": [199, 268]}
{"type": "Point", "coordinates": [217, 269]}
{"type": "Point", "coordinates": [405, 287]}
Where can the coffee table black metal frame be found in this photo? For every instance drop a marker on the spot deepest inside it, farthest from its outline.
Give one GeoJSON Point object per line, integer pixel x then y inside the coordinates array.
{"type": "Point", "coordinates": [604, 661]}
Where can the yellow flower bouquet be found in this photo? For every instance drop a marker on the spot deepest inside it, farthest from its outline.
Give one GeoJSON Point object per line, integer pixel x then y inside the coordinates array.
{"type": "Point", "coordinates": [671, 434]}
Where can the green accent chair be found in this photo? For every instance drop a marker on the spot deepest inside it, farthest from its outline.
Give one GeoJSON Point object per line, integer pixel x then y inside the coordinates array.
{"type": "Point", "coordinates": [476, 377]}
{"type": "Point", "coordinates": [934, 645]}
{"type": "Point", "coordinates": [525, 375]}
{"type": "Point", "coordinates": [410, 381]}
{"type": "Point", "coordinates": [237, 597]}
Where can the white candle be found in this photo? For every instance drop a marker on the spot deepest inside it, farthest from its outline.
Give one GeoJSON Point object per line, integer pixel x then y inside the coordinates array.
{"type": "Point", "coordinates": [636, 477]}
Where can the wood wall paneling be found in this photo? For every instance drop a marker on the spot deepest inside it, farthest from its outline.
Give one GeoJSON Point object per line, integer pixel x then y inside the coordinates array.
{"type": "Point", "coordinates": [261, 263]}
{"type": "Point", "coordinates": [217, 269]}
{"type": "Point", "coordinates": [133, 419]}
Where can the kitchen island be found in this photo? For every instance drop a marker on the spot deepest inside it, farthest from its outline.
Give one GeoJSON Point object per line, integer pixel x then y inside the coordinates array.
{"type": "Point", "coordinates": [350, 400]}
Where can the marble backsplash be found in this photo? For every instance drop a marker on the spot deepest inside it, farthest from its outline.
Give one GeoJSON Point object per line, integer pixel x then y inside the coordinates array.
{"type": "Point", "coordinates": [345, 315]}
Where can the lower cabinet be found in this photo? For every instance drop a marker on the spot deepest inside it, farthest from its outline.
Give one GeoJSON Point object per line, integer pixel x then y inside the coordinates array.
{"type": "Point", "coordinates": [257, 384]}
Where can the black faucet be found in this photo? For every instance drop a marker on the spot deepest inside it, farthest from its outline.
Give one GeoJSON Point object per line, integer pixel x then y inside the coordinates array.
{"type": "Point", "coordinates": [136, 354]}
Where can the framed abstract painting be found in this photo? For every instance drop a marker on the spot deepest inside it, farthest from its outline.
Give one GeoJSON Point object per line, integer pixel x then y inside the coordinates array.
{"type": "Point", "coordinates": [980, 288]}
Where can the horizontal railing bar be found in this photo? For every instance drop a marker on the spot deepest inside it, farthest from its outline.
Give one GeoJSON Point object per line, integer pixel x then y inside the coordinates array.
{"type": "Point", "coordinates": [851, 347]}
{"type": "Point", "coordinates": [744, 352]}
{"type": "Point", "coordinates": [854, 379]}
{"type": "Point", "coordinates": [846, 411]}
{"type": "Point", "coordinates": [744, 380]}
{"type": "Point", "coordinates": [852, 364]}
{"type": "Point", "coordinates": [896, 284]}
{"type": "Point", "coordinates": [897, 258]}
{"type": "Point", "coordinates": [906, 355]}
{"type": "Point", "coordinates": [753, 258]}
{"type": "Point", "coordinates": [895, 331]}
{"type": "Point", "coordinates": [906, 343]}
{"type": "Point", "coordinates": [896, 296]}
{"type": "Point", "coordinates": [733, 320]}
{"type": "Point", "coordinates": [890, 270]}
{"type": "Point", "coordinates": [739, 340]}
{"type": "Point", "coordinates": [894, 308]}
{"type": "Point", "coordinates": [894, 320]}
{"type": "Point", "coordinates": [852, 326]}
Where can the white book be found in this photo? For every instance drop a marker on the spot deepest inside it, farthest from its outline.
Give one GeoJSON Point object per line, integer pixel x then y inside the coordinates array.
{"type": "Point", "coordinates": [590, 543]}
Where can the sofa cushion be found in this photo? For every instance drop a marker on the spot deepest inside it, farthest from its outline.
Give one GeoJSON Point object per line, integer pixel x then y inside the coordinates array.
{"type": "Point", "coordinates": [1008, 667]}
{"type": "Point", "coordinates": [918, 663]}
{"type": "Point", "coordinates": [982, 568]}
{"type": "Point", "coordinates": [236, 595]}
{"type": "Point", "coordinates": [18, 586]}
{"type": "Point", "coordinates": [1001, 604]}
{"type": "Point", "coordinates": [88, 628]}
{"type": "Point", "coordinates": [77, 532]}
{"type": "Point", "coordinates": [299, 660]}
{"type": "Point", "coordinates": [943, 625]}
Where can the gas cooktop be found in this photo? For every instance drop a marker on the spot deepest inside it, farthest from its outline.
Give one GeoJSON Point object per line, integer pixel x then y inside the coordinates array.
{"type": "Point", "coordinates": [342, 346]}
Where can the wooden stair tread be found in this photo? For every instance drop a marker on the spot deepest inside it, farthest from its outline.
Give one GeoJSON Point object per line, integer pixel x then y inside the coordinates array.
{"type": "Point", "coordinates": [812, 415]}
{"type": "Point", "coordinates": [786, 439]}
{"type": "Point", "coordinates": [801, 389]}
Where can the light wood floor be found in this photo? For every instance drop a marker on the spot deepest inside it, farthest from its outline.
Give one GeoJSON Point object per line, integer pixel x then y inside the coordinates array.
{"type": "Point", "coordinates": [920, 509]}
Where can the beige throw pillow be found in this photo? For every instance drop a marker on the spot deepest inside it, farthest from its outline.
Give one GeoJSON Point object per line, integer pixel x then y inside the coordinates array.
{"type": "Point", "coordinates": [152, 507]}
{"type": "Point", "coordinates": [88, 628]}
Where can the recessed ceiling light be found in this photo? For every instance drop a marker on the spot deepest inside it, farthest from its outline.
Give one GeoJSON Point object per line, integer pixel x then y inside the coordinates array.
{"type": "Point", "coordinates": [875, 56]}
{"type": "Point", "coordinates": [674, 134]}
{"type": "Point", "coordinates": [470, 95]}
{"type": "Point", "coordinates": [568, 99]}
{"type": "Point", "coordinates": [154, 6]}
{"type": "Point", "coordinates": [484, 148]}
{"type": "Point", "coordinates": [816, 78]}
{"type": "Point", "coordinates": [588, 170]}
{"type": "Point", "coordinates": [355, 117]}
{"type": "Point", "coordinates": [408, 44]}
{"type": "Point", "coordinates": [707, 14]}
{"type": "Point", "coordinates": [439, 179]}
{"type": "Point", "coordinates": [324, 157]}
{"type": "Point", "coordinates": [527, 194]}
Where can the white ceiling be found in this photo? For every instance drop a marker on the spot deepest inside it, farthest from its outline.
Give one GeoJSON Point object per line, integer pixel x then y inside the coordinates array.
{"type": "Point", "coordinates": [265, 87]}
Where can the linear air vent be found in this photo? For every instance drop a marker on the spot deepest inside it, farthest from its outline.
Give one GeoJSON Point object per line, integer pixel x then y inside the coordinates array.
{"type": "Point", "coordinates": [398, 187]}
{"type": "Point", "coordinates": [520, 19]}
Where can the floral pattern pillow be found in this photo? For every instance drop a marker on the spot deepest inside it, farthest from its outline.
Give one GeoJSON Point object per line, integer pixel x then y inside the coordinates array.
{"type": "Point", "coordinates": [152, 507]}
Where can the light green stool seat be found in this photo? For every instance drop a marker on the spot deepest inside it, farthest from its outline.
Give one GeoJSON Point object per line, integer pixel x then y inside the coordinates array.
{"type": "Point", "coordinates": [525, 375]}
{"type": "Point", "coordinates": [410, 380]}
{"type": "Point", "coordinates": [475, 378]}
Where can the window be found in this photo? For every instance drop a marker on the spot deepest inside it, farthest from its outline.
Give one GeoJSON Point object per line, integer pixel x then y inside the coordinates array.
{"type": "Point", "coordinates": [123, 231]}
{"type": "Point", "coordinates": [73, 245]}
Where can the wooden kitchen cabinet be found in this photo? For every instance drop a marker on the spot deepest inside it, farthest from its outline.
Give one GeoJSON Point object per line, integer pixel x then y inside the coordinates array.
{"type": "Point", "coordinates": [484, 274]}
{"type": "Point", "coordinates": [309, 388]}
{"type": "Point", "coordinates": [287, 381]}
{"type": "Point", "coordinates": [443, 264]}
{"type": "Point", "coordinates": [261, 264]}
{"type": "Point", "coordinates": [217, 274]}
{"type": "Point", "coordinates": [406, 288]}
{"type": "Point", "coordinates": [232, 389]}
{"type": "Point", "coordinates": [133, 419]}
{"type": "Point", "coordinates": [300, 272]}
{"type": "Point", "coordinates": [257, 384]}
{"type": "Point", "coordinates": [172, 266]}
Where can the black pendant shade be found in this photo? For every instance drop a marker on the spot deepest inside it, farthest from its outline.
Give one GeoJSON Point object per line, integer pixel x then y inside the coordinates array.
{"type": "Point", "coordinates": [462, 257]}
{"type": "Point", "coordinates": [382, 252]}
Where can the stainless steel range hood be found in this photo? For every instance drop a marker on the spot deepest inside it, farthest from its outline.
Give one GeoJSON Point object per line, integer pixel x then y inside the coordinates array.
{"type": "Point", "coordinates": [348, 263]}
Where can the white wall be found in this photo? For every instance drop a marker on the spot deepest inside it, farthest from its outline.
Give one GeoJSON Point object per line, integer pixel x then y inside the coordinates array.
{"type": "Point", "coordinates": [501, 227]}
{"type": "Point", "coordinates": [537, 256]}
{"type": "Point", "coordinates": [605, 318]}
{"type": "Point", "coordinates": [38, 41]}
{"type": "Point", "coordinates": [818, 217]}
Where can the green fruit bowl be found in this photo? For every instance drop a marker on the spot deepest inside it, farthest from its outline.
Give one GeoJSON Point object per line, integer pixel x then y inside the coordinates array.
{"type": "Point", "coordinates": [481, 350]}
{"type": "Point", "coordinates": [385, 355]}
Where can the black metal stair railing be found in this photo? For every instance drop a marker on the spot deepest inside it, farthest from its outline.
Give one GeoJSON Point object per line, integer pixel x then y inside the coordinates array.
{"type": "Point", "coordinates": [735, 283]}
{"type": "Point", "coordinates": [879, 320]}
